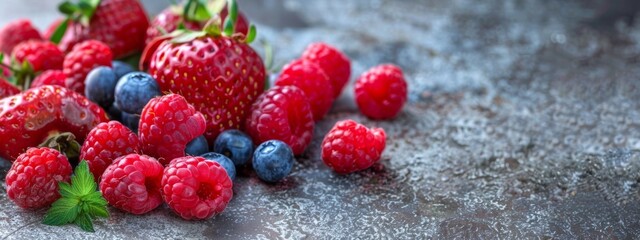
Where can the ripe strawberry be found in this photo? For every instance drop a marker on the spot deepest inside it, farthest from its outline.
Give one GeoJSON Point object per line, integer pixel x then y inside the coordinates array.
{"type": "Point", "coordinates": [7, 89]}
{"type": "Point", "coordinates": [40, 55]}
{"type": "Point", "coordinates": [167, 124]}
{"type": "Point", "coordinates": [106, 142]}
{"type": "Point", "coordinates": [121, 24]}
{"type": "Point", "coordinates": [84, 58]}
{"type": "Point", "coordinates": [351, 147]}
{"type": "Point", "coordinates": [282, 113]}
{"type": "Point", "coordinates": [132, 183]}
{"type": "Point", "coordinates": [32, 181]}
{"type": "Point", "coordinates": [196, 188]}
{"type": "Point", "coordinates": [49, 77]}
{"type": "Point", "coordinates": [27, 119]}
{"type": "Point", "coordinates": [16, 32]}
{"type": "Point", "coordinates": [381, 92]}
{"type": "Point", "coordinates": [311, 79]}
{"type": "Point", "coordinates": [334, 63]}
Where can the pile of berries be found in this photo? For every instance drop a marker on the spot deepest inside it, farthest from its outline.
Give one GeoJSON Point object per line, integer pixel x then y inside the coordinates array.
{"type": "Point", "coordinates": [174, 130]}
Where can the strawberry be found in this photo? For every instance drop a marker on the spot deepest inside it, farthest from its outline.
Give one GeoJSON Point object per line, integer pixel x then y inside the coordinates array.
{"type": "Point", "coordinates": [7, 89]}
{"type": "Point", "coordinates": [218, 74]}
{"type": "Point", "coordinates": [28, 119]}
{"type": "Point", "coordinates": [84, 58]}
{"type": "Point", "coordinates": [167, 21]}
{"type": "Point", "coordinates": [16, 32]}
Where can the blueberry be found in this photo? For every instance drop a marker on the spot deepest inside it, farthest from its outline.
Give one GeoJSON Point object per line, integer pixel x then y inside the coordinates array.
{"type": "Point", "coordinates": [234, 144]}
{"type": "Point", "coordinates": [121, 69]}
{"type": "Point", "coordinates": [197, 146]}
{"type": "Point", "coordinates": [131, 121]}
{"type": "Point", "coordinates": [134, 90]}
{"type": "Point", "coordinates": [114, 113]}
{"type": "Point", "coordinates": [100, 85]}
{"type": "Point", "coordinates": [225, 162]}
{"type": "Point", "coordinates": [273, 160]}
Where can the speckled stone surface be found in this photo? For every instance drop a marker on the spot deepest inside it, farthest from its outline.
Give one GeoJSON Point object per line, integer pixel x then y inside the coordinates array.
{"type": "Point", "coordinates": [523, 122]}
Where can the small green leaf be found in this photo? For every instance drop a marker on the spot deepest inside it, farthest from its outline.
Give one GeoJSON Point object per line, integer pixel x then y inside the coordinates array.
{"type": "Point", "coordinates": [196, 10]}
{"type": "Point", "coordinates": [212, 28]}
{"type": "Point", "coordinates": [66, 191]}
{"type": "Point", "coordinates": [98, 211]}
{"type": "Point", "coordinates": [216, 6]}
{"type": "Point", "coordinates": [68, 8]}
{"type": "Point", "coordinates": [230, 21]}
{"type": "Point", "coordinates": [94, 198]}
{"type": "Point", "coordinates": [84, 222]}
{"type": "Point", "coordinates": [187, 37]}
{"type": "Point", "coordinates": [58, 34]}
{"type": "Point", "coordinates": [251, 35]}
{"type": "Point", "coordinates": [82, 181]}
{"type": "Point", "coordinates": [62, 211]}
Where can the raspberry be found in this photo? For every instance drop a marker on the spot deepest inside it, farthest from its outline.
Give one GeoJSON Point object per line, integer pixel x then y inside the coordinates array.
{"type": "Point", "coordinates": [167, 124]}
{"type": "Point", "coordinates": [132, 183]}
{"type": "Point", "coordinates": [82, 59]}
{"type": "Point", "coordinates": [351, 147]}
{"type": "Point", "coordinates": [106, 142]}
{"type": "Point", "coordinates": [41, 55]}
{"type": "Point", "coordinates": [196, 188]}
{"type": "Point", "coordinates": [311, 79]}
{"type": "Point", "coordinates": [49, 77]}
{"type": "Point", "coordinates": [16, 32]}
{"type": "Point", "coordinates": [334, 63]}
{"type": "Point", "coordinates": [32, 181]}
{"type": "Point", "coordinates": [282, 113]}
{"type": "Point", "coordinates": [381, 92]}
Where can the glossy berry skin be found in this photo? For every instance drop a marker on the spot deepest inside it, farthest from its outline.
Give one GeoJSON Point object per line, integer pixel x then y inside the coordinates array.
{"type": "Point", "coordinates": [105, 143]}
{"type": "Point", "coordinates": [282, 113]}
{"type": "Point", "coordinates": [41, 55]}
{"type": "Point", "coordinates": [49, 77]}
{"type": "Point", "coordinates": [27, 119]}
{"type": "Point", "coordinates": [335, 64]}
{"type": "Point", "coordinates": [351, 147]}
{"type": "Point", "coordinates": [32, 181]}
{"type": "Point", "coordinates": [167, 124]}
{"type": "Point", "coordinates": [234, 144]}
{"type": "Point", "coordinates": [7, 89]}
{"type": "Point", "coordinates": [273, 161]}
{"type": "Point", "coordinates": [197, 147]}
{"type": "Point", "coordinates": [132, 183]}
{"type": "Point", "coordinates": [219, 76]}
{"type": "Point", "coordinates": [224, 161]}
{"type": "Point", "coordinates": [381, 92]}
{"type": "Point", "coordinates": [100, 86]}
{"type": "Point", "coordinates": [132, 121]}
{"type": "Point", "coordinates": [312, 80]}
{"type": "Point", "coordinates": [16, 32]}
{"type": "Point", "coordinates": [121, 69]}
{"type": "Point", "coordinates": [169, 20]}
{"type": "Point", "coordinates": [195, 188]}
{"type": "Point", "coordinates": [134, 90]}
{"type": "Point", "coordinates": [85, 57]}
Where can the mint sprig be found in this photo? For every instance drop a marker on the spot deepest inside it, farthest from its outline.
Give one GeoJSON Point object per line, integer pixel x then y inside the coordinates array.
{"type": "Point", "coordinates": [80, 201]}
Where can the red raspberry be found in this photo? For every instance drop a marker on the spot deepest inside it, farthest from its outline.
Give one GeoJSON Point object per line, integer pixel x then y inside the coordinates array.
{"type": "Point", "coordinates": [311, 79]}
{"type": "Point", "coordinates": [49, 77]}
{"type": "Point", "coordinates": [32, 181]}
{"type": "Point", "coordinates": [334, 63]}
{"type": "Point", "coordinates": [381, 92]}
{"type": "Point", "coordinates": [351, 147]}
{"type": "Point", "coordinates": [132, 183]}
{"type": "Point", "coordinates": [167, 124]}
{"type": "Point", "coordinates": [40, 54]}
{"type": "Point", "coordinates": [196, 188]}
{"type": "Point", "coordinates": [106, 142]}
{"type": "Point", "coordinates": [16, 32]}
{"type": "Point", "coordinates": [281, 113]}
{"type": "Point", "coordinates": [82, 59]}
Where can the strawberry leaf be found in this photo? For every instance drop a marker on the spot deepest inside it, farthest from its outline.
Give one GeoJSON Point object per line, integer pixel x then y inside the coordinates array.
{"type": "Point", "coordinates": [196, 10]}
{"type": "Point", "coordinates": [62, 212]}
{"type": "Point", "coordinates": [84, 222]}
{"type": "Point", "coordinates": [230, 22]}
{"type": "Point", "coordinates": [68, 8]}
{"type": "Point", "coordinates": [66, 191]}
{"type": "Point", "coordinates": [187, 37]}
{"type": "Point", "coordinates": [57, 35]}
{"type": "Point", "coordinates": [251, 35]}
{"type": "Point", "coordinates": [82, 181]}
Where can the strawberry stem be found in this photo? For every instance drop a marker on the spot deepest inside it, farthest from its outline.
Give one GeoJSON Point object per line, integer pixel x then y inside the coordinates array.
{"type": "Point", "coordinates": [230, 22]}
{"type": "Point", "coordinates": [65, 143]}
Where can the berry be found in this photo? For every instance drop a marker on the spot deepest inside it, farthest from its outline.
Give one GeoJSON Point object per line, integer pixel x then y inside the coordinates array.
{"type": "Point", "coordinates": [132, 183]}
{"type": "Point", "coordinates": [282, 113]}
{"type": "Point", "coordinates": [311, 79]}
{"type": "Point", "coordinates": [16, 32]}
{"type": "Point", "coordinates": [167, 124]}
{"type": "Point", "coordinates": [195, 188]}
{"type": "Point", "coordinates": [116, 115]}
{"type": "Point", "coordinates": [100, 85]}
{"type": "Point", "coordinates": [134, 90]}
{"type": "Point", "coordinates": [381, 92]}
{"type": "Point", "coordinates": [197, 146]}
{"type": "Point", "coordinates": [32, 181]}
{"type": "Point", "coordinates": [168, 20]}
{"type": "Point", "coordinates": [334, 63]}
{"type": "Point", "coordinates": [27, 119]}
{"type": "Point", "coordinates": [82, 59]}
{"type": "Point", "coordinates": [106, 142]}
{"type": "Point", "coordinates": [224, 161]}
{"type": "Point", "coordinates": [132, 121]}
{"type": "Point", "coordinates": [234, 144]}
{"type": "Point", "coordinates": [351, 147]}
{"type": "Point", "coordinates": [49, 77]}
{"type": "Point", "coordinates": [40, 55]}
{"type": "Point", "coordinates": [273, 160]}
{"type": "Point", "coordinates": [121, 69]}
{"type": "Point", "coordinates": [7, 89]}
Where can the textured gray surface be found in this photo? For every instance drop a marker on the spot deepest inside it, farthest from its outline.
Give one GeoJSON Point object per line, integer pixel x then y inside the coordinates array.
{"type": "Point", "coordinates": [522, 123]}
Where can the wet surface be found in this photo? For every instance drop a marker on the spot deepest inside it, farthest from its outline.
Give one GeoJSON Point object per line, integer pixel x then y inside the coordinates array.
{"type": "Point", "coordinates": [522, 123]}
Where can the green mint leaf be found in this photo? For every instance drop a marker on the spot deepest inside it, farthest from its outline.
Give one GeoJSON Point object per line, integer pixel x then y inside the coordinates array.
{"type": "Point", "coordinates": [98, 211]}
{"type": "Point", "coordinates": [84, 222]}
{"type": "Point", "coordinates": [58, 34]}
{"type": "Point", "coordinates": [66, 191]}
{"type": "Point", "coordinates": [62, 211]}
{"type": "Point", "coordinates": [82, 181]}
{"type": "Point", "coordinates": [94, 198]}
